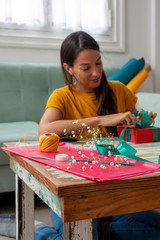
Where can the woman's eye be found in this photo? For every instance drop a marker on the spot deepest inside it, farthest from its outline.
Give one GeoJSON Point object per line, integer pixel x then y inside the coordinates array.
{"type": "Point", "coordinates": [99, 63]}
{"type": "Point", "coordinates": [85, 69]}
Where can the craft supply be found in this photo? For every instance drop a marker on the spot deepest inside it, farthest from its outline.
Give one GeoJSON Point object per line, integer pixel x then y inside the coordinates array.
{"type": "Point", "coordinates": [127, 150]}
{"type": "Point", "coordinates": [136, 81]}
{"type": "Point", "coordinates": [128, 71]}
{"type": "Point", "coordinates": [49, 142]}
{"type": "Point", "coordinates": [142, 133]}
{"type": "Point", "coordinates": [123, 147]}
{"type": "Point", "coordinates": [139, 135]}
{"type": "Point", "coordinates": [97, 172]}
{"type": "Point", "coordinates": [61, 157]}
{"type": "Point", "coordinates": [107, 146]}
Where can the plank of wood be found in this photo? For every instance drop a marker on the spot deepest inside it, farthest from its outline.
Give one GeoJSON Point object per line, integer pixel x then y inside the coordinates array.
{"type": "Point", "coordinates": [24, 211]}
{"type": "Point", "coordinates": [78, 230]}
{"type": "Point", "coordinates": [112, 202]}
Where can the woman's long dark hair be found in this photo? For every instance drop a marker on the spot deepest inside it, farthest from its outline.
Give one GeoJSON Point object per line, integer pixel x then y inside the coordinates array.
{"type": "Point", "coordinates": [71, 46]}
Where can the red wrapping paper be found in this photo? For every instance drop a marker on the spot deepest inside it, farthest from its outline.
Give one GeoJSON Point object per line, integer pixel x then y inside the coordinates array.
{"type": "Point", "coordinates": [139, 135]}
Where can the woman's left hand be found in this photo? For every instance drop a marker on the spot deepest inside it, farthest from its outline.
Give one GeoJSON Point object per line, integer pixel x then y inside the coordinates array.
{"type": "Point", "coordinates": [152, 115]}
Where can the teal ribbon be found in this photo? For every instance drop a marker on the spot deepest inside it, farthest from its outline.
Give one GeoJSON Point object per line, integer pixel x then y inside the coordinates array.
{"type": "Point", "coordinates": [105, 148]}
{"type": "Point", "coordinates": [145, 122]}
{"type": "Point", "coordinates": [128, 151]}
{"type": "Point", "coordinates": [123, 147]}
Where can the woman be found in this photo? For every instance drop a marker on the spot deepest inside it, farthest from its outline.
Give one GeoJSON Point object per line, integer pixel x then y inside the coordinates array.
{"type": "Point", "coordinates": [88, 96]}
{"type": "Point", "coordinates": [89, 100]}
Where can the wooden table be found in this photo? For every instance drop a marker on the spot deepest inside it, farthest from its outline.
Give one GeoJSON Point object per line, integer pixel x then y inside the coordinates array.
{"type": "Point", "coordinates": [78, 200]}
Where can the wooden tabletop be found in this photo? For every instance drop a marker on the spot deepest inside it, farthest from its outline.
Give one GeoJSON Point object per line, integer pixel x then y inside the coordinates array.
{"type": "Point", "coordinates": [85, 199]}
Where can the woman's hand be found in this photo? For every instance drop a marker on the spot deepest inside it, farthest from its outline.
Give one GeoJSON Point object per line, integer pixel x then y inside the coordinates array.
{"type": "Point", "coordinates": [152, 115]}
{"type": "Point", "coordinates": [119, 118]}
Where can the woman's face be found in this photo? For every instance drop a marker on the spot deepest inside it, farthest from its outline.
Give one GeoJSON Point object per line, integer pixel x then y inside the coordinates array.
{"type": "Point", "coordinates": [87, 69]}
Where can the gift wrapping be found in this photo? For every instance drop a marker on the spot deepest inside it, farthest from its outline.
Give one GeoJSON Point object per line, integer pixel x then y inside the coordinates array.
{"type": "Point", "coordinates": [139, 135]}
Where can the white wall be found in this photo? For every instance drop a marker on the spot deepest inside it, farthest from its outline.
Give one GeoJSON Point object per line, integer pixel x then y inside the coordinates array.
{"type": "Point", "coordinates": [142, 40]}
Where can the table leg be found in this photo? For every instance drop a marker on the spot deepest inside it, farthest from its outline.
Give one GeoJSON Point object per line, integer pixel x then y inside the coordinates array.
{"type": "Point", "coordinates": [24, 211]}
{"type": "Point", "coordinates": [78, 230]}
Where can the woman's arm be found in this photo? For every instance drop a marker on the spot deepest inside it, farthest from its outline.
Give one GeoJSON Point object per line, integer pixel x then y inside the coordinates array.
{"type": "Point", "coordinates": [51, 121]}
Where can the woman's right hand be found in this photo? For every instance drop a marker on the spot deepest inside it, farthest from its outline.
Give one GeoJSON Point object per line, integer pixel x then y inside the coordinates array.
{"type": "Point", "coordinates": [119, 118]}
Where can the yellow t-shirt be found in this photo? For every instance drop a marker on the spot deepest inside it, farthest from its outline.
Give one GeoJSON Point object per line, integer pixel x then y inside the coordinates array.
{"type": "Point", "coordinates": [76, 105]}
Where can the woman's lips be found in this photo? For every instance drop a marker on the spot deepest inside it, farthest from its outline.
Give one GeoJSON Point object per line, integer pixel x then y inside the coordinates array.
{"type": "Point", "coordinates": [95, 80]}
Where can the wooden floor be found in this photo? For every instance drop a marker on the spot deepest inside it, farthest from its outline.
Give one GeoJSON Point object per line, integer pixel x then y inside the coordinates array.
{"type": "Point", "coordinates": [7, 205]}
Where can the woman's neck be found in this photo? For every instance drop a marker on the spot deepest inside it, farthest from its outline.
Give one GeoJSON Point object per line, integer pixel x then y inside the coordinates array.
{"type": "Point", "coordinates": [83, 89]}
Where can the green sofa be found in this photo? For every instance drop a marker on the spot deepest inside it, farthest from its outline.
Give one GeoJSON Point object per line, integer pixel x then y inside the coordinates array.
{"type": "Point", "coordinates": [24, 90]}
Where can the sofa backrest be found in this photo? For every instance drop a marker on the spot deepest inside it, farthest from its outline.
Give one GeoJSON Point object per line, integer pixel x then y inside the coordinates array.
{"type": "Point", "coordinates": [25, 88]}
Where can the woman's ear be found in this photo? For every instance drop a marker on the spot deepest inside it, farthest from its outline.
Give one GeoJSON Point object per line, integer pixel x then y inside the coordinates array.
{"type": "Point", "coordinates": [68, 68]}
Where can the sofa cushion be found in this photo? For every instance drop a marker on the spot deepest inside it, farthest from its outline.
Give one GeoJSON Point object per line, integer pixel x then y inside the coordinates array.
{"type": "Point", "coordinates": [11, 132]}
{"type": "Point", "coordinates": [25, 89]}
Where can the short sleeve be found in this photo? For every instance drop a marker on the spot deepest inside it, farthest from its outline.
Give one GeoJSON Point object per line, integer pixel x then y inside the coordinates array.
{"type": "Point", "coordinates": [56, 100]}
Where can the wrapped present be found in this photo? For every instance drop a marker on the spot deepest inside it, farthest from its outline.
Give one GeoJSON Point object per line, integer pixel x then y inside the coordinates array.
{"type": "Point", "coordinates": [138, 134]}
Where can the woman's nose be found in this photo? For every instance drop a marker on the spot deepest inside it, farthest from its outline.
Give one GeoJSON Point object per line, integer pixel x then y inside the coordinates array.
{"type": "Point", "coordinates": [95, 72]}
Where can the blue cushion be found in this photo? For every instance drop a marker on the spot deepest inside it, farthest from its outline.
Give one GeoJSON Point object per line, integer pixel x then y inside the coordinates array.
{"type": "Point", "coordinates": [128, 71]}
